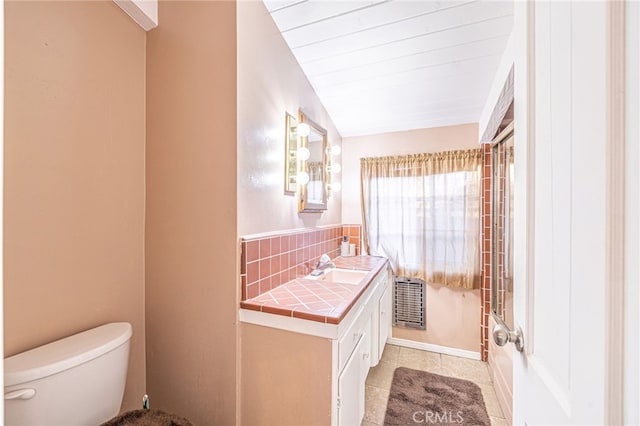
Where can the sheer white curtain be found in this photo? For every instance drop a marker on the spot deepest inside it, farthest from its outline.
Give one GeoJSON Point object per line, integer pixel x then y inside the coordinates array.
{"type": "Point", "coordinates": [423, 212]}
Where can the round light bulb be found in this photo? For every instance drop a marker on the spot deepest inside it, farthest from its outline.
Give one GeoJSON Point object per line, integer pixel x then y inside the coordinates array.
{"type": "Point", "coordinates": [303, 153]}
{"type": "Point", "coordinates": [303, 178]}
{"type": "Point", "coordinates": [304, 130]}
{"type": "Point", "coordinates": [336, 150]}
{"type": "Point", "coordinates": [334, 168]}
{"type": "Point", "coordinates": [336, 186]}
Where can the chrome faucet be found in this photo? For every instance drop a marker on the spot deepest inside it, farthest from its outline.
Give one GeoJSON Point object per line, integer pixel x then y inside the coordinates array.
{"type": "Point", "coordinates": [324, 263]}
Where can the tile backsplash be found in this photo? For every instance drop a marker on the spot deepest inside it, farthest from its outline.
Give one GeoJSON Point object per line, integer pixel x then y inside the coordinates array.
{"type": "Point", "coordinates": [271, 259]}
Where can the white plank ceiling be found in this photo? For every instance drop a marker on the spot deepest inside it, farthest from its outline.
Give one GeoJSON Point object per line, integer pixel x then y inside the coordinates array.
{"type": "Point", "coordinates": [382, 65]}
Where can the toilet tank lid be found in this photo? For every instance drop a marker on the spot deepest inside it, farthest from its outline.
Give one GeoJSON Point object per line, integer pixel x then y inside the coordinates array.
{"type": "Point", "coordinates": [65, 353]}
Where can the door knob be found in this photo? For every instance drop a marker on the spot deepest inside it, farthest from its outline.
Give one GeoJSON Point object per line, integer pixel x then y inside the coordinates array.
{"type": "Point", "coordinates": [502, 335]}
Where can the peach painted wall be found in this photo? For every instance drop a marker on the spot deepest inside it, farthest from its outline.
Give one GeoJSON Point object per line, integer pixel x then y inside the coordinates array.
{"type": "Point", "coordinates": [453, 315]}
{"type": "Point", "coordinates": [270, 83]}
{"type": "Point", "coordinates": [192, 280]}
{"type": "Point", "coordinates": [74, 175]}
{"type": "Point", "coordinates": [280, 387]}
{"type": "Point", "coordinates": [453, 319]}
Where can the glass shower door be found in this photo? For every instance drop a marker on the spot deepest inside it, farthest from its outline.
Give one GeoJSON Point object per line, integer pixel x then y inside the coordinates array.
{"type": "Point", "coordinates": [502, 228]}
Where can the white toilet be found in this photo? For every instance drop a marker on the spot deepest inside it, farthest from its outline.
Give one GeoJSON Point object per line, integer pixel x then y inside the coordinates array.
{"type": "Point", "coordinates": [78, 380]}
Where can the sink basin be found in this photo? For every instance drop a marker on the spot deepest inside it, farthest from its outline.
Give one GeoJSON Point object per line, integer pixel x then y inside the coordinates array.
{"type": "Point", "coordinates": [343, 276]}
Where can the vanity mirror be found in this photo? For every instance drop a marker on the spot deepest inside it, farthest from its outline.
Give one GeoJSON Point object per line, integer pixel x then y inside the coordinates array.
{"type": "Point", "coordinates": [312, 165]}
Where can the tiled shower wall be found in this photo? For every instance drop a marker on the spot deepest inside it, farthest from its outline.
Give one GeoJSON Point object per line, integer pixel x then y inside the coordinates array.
{"type": "Point", "coordinates": [485, 290]}
{"type": "Point", "coordinates": [270, 260]}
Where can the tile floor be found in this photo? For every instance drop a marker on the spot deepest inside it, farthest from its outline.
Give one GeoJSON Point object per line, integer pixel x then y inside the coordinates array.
{"type": "Point", "coordinates": [379, 379]}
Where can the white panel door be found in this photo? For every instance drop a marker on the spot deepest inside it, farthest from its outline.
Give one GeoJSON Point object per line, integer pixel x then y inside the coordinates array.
{"type": "Point", "coordinates": [364, 354]}
{"type": "Point", "coordinates": [384, 320]}
{"type": "Point", "coordinates": [560, 212]}
{"type": "Point", "coordinates": [351, 382]}
{"type": "Point", "coordinates": [349, 389]}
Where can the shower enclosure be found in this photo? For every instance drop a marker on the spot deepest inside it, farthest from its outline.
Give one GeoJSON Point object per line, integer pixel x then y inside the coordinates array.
{"type": "Point", "coordinates": [502, 228]}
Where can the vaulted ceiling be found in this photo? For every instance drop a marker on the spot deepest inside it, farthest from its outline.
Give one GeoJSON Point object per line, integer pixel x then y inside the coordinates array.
{"type": "Point", "coordinates": [382, 65]}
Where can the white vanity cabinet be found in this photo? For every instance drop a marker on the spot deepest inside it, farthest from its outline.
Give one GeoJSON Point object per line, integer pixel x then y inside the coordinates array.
{"type": "Point", "coordinates": [359, 348]}
{"type": "Point", "coordinates": [319, 369]}
{"type": "Point", "coordinates": [351, 381]}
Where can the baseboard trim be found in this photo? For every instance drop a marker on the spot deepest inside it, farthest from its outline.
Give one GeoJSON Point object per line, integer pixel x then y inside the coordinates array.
{"type": "Point", "coordinates": [434, 348]}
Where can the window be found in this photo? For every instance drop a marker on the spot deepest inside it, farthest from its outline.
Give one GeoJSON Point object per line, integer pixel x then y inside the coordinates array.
{"type": "Point", "coordinates": [423, 213]}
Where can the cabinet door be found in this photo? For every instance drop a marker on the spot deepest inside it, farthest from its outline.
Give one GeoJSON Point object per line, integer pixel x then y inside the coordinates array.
{"type": "Point", "coordinates": [384, 320]}
{"type": "Point", "coordinates": [351, 384]}
{"type": "Point", "coordinates": [365, 365]}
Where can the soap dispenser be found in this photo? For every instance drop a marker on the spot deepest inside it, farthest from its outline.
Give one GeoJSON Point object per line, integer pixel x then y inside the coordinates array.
{"type": "Point", "coordinates": [344, 247]}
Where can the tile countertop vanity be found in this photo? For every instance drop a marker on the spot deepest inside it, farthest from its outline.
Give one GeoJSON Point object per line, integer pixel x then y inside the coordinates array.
{"type": "Point", "coordinates": [310, 299]}
{"type": "Point", "coordinates": [311, 342]}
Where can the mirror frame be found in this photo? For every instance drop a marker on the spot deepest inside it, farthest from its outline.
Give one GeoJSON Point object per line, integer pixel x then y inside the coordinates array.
{"type": "Point", "coordinates": [290, 154]}
{"type": "Point", "coordinates": [304, 206]}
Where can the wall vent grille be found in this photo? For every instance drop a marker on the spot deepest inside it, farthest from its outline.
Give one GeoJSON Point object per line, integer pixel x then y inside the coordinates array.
{"type": "Point", "coordinates": [409, 303]}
